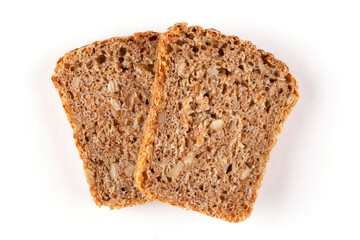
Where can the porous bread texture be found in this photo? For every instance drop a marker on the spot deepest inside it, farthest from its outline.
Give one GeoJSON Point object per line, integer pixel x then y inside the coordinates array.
{"type": "Point", "coordinates": [105, 90]}
{"type": "Point", "coordinates": [218, 105]}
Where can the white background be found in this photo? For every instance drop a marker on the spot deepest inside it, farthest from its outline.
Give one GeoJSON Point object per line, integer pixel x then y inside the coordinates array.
{"type": "Point", "coordinates": [311, 188]}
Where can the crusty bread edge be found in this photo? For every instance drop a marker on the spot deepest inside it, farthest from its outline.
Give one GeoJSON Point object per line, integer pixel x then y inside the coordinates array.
{"type": "Point", "coordinates": [156, 91]}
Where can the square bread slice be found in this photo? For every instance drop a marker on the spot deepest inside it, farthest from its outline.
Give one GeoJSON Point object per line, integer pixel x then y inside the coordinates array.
{"type": "Point", "coordinates": [218, 105]}
{"type": "Point", "coordinates": [105, 89]}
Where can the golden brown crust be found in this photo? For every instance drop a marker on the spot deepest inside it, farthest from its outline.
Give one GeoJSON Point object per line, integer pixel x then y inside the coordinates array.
{"type": "Point", "coordinates": [147, 154]}
{"type": "Point", "coordinates": [100, 67]}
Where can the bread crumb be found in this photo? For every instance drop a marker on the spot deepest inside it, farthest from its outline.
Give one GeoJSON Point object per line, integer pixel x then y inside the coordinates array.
{"type": "Point", "coordinates": [161, 118]}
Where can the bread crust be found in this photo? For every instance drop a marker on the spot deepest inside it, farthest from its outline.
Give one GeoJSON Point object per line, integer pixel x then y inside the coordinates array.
{"type": "Point", "coordinates": [146, 155]}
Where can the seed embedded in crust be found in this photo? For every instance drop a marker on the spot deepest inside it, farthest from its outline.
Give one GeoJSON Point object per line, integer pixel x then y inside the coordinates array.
{"type": "Point", "coordinates": [129, 170]}
{"type": "Point", "coordinates": [245, 173]}
{"type": "Point", "coordinates": [290, 99]}
{"type": "Point", "coordinates": [89, 176]}
{"type": "Point", "coordinates": [181, 67]}
{"type": "Point", "coordinates": [176, 170]}
{"type": "Point", "coordinates": [217, 124]}
{"type": "Point", "coordinates": [113, 171]}
{"type": "Point", "coordinates": [75, 119]}
{"type": "Point", "coordinates": [115, 104]}
{"type": "Point", "coordinates": [212, 71]}
{"type": "Point", "coordinates": [189, 158]}
{"type": "Point", "coordinates": [112, 87]}
{"type": "Point", "coordinates": [75, 82]}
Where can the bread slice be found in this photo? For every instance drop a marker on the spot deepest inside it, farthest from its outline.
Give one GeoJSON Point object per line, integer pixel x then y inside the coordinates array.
{"type": "Point", "coordinates": [105, 89]}
{"type": "Point", "coordinates": [218, 105]}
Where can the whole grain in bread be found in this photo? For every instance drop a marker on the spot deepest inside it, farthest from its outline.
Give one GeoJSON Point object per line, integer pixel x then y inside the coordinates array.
{"type": "Point", "coordinates": [105, 91]}
{"type": "Point", "coordinates": [218, 105]}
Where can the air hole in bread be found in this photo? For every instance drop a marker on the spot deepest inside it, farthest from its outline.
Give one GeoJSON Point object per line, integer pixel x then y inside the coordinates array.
{"type": "Point", "coordinates": [123, 51]}
{"type": "Point", "coordinates": [272, 80]}
{"type": "Point", "coordinates": [251, 103]}
{"type": "Point", "coordinates": [224, 89]}
{"type": "Point", "coordinates": [100, 59]}
{"type": "Point", "coordinates": [229, 168]}
{"type": "Point", "coordinates": [71, 95]}
{"type": "Point", "coordinates": [180, 42]}
{"type": "Point", "coordinates": [221, 52]}
{"type": "Point", "coordinates": [153, 38]}
{"type": "Point", "coordinates": [150, 67]}
{"type": "Point", "coordinates": [106, 198]}
{"type": "Point", "coordinates": [256, 70]}
{"type": "Point", "coordinates": [189, 35]}
{"type": "Point", "coordinates": [244, 84]}
{"type": "Point", "coordinates": [267, 106]}
{"type": "Point", "coordinates": [225, 71]}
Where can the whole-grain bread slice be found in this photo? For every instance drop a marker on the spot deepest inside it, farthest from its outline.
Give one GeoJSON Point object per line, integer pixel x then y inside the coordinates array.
{"type": "Point", "coordinates": [105, 90]}
{"type": "Point", "coordinates": [218, 105]}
